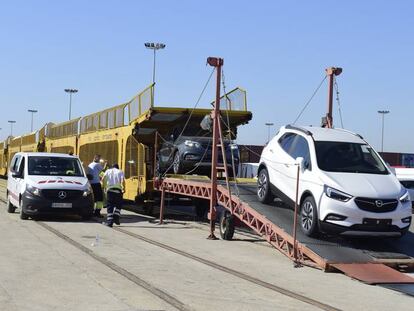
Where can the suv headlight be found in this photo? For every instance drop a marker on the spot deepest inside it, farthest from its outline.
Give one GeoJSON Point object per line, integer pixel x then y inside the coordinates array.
{"type": "Point", "coordinates": [87, 192]}
{"type": "Point", "coordinates": [191, 143]}
{"type": "Point", "coordinates": [33, 190]}
{"type": "Point", "coordinates": [336, 194]}
{"type": "Point", "coordinates": [405, 197]}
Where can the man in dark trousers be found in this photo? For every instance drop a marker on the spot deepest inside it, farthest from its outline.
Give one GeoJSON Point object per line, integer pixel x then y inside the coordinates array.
{"type": "Point", "coordinates": [114, 185]}
{"type": "Point", "coordinates": [94, 169]}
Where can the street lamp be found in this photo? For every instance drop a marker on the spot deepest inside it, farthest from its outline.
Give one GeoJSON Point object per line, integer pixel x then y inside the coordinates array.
{"type": "Point", "coordinates": [70, 91]}
{"type": "Point", "coordinates": [11, 126]}
{"type": "Point", "coordinates": [154, 47]}
{"type": "Point", "coordinates": [32, 111]}
{"type": "Point", "coordinates": [268, 130]}
{"type": "Point", "coordinates": [383, 113]}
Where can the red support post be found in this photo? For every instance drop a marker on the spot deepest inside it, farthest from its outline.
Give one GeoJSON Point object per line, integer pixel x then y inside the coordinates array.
{"type": "Point", "coordinates": [295, 221]}
{"type": "Point", "coordinates": [218, 63]}
{"type": "Point", "coordinates": [162, 206]}
{"type": "Point", "coordinates": [330, 72]}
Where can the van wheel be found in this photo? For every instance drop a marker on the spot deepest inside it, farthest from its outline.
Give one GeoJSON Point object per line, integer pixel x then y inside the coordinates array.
{"type": "Point", "coordinates": [226, 225]}
{"type": "Point", "coordinates": [23, 215]}
{"type": "Point", "coordinates": [10, 207]}
{"type": "Point", "coordinates": [264, 194]}
{"type": "Point", "coordinates": [309, 222]}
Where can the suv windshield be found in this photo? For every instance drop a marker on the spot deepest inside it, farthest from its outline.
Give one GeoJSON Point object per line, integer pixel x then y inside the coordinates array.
{"type": "Point", "coordinates": [348, 158]}
{"type": "Point", "coordinates": [54, 166]}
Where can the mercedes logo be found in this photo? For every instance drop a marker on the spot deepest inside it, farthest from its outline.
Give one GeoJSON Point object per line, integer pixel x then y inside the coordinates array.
{"type": "Point", "coordinates": [62, 195]}
{"type": "Point", "coordinates": [379, 203]}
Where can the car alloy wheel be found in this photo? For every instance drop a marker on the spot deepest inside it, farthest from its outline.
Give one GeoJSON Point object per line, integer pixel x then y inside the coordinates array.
{"type": "Point", "coordinates": [262, 185]}
{"type": "Point", "coordinates": [264, 194]}
{"type": "Point", "coordinates": [309, 217]}
{"type": "Point", "coordinates": [176, 163]}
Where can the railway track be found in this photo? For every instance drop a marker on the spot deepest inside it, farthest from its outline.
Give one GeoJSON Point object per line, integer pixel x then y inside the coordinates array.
{"type": "Point", "coordinates": [176, 303]}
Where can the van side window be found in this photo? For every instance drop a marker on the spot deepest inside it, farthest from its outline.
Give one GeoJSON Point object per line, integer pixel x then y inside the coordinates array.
{"type": "Point", "coordinates": [21, 166]}
{"type": "Point", "coordinates": [286, 141]}
{"type": "Point", "coordinates": [14, 163]}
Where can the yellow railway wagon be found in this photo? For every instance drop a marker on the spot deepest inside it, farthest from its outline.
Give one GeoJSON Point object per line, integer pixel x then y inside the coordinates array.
{"type": "Point", "coordinates": [29, 143]}
{"type": "Point", "coordinates": [62, 137]}
{"type": "Point", "coordinates": [14, 146]}
{"type": "Point", "coordinates": [109, 134]}
{"type": "Point", "coordinates": [125, 134]}
{"type": "Point", "coordinates": [3, 158]}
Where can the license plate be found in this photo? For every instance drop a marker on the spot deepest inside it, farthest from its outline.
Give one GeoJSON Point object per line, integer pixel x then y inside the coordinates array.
{"type": "Point", "coordinates": [377, 222]}
{"type": "Point", "coordinates": [62, 205]}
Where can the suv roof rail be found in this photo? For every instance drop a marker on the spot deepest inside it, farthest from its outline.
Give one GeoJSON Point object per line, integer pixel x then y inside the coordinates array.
{"type": "Point", "coordinates": [350, 132]}
{"type": "Point", "coordinates": [297, 128]}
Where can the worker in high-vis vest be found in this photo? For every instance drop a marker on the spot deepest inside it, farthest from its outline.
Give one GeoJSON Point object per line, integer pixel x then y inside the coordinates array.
{"type": "Point", "coordinates": [114, 185]}
{"type": "Point", "coordinates": [94, 169]}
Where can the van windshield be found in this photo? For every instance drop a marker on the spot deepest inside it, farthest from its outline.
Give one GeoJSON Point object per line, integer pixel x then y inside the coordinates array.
{"type": "Point", "coordinates": [54, 166]}
{"type": "Point", "coordinates": [348, 158]}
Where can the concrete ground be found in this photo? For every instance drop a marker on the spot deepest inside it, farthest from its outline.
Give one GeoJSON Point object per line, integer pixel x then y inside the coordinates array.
{"type": "Point", "coordinates": [68, 264]}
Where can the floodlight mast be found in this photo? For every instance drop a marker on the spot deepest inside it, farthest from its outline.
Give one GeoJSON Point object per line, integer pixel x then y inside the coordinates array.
{"type": "Point", "coordinates": [32, 111]}
{"type": "Point", "coordinates": [70, 91]}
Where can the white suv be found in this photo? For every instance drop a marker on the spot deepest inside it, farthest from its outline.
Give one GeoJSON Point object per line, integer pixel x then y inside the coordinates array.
{"type": "Point", "coordinates": [345, 187]}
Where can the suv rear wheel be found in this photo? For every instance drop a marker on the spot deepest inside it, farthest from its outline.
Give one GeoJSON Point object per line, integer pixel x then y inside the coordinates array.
{"type": "Point", "coordinates": [309, 217]}
{"type": "Point", "coordinates": [264, 194]}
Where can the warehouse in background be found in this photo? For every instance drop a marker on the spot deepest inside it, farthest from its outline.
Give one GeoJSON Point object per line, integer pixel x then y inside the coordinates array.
{"type": "Point", "coordinates": [398, 159]}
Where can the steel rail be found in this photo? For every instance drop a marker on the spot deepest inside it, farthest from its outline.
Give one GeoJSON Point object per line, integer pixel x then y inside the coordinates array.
{"type": "Point", "coordinates": [230, 271]}
{"type": "Point", "coordinates": [125, 273]}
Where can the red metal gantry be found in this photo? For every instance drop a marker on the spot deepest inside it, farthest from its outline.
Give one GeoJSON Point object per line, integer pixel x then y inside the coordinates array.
{"type": "Point", "coordinates": [246, 214]}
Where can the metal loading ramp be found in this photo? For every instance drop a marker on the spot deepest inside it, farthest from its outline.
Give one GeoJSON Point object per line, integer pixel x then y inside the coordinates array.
{"type": "Point", "coordinates": [274, 222]}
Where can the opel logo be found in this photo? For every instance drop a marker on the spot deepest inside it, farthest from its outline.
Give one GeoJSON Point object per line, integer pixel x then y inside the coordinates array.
{"type": "Point", "coordinates": [62, 195]}
{"type": "Point", "coordinates": [379, 203]}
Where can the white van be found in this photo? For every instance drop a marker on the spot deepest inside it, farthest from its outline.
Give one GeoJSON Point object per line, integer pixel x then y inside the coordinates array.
{"type": "Point", "coordinates": [48, 183]}
{"type": "Point", "coordinates": [345, 187]}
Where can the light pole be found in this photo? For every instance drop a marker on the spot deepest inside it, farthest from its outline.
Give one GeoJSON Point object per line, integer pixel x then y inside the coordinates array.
{"type": "Point", "coordinates": [268, 130]}
{"type": "Point", "coordinates": [155, 47]}
{"type": "Point", "coordinates": [70, 91]}
{"type": "Point", "coordinates": [11, 126]}
{"type": "Point", "coordinates": [383, 113]}
{"type": "Point", "coordinates": [32, 111]}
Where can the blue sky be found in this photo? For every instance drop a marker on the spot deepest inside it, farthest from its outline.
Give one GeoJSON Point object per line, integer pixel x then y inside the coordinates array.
{"type": "Point", "coordinates": [276, 50]}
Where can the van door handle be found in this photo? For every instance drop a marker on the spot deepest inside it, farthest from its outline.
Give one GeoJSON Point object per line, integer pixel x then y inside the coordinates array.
{"type": "Point", "coordinates": [271, 150]}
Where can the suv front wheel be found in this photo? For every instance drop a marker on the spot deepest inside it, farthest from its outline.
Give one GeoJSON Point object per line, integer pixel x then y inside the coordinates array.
{"type": "Point", "coordinates": [309, 217]}
{"type": "Point", "coordinates": [264, 194]}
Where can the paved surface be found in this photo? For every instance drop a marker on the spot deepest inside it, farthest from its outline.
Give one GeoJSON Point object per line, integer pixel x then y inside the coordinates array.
{"type": "Point", "coordinates": [71, 265]}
